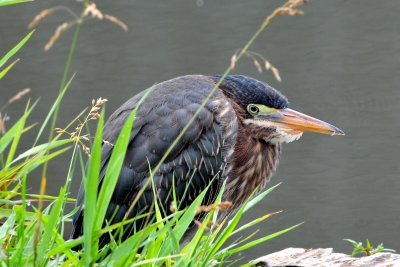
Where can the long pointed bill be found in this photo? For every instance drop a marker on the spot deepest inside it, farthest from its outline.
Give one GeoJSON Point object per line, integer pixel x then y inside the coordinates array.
{"type": "Point", "coordinates": [296, 121]}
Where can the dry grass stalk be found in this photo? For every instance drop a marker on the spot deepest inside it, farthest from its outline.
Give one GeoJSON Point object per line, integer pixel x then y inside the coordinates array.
{"type": "Point", "coordinates": [19, 95]}
{"type": "Point", "coordinates": [116, 21]}
{"type": "Point", "coordinates": [93, 11]}
{"type": "Point", "coordinates": [77, 138]}
{"type": "Point", "coordinates": [296, 3]}
{"type": "Point", "coordinates": [257, 65]}
{"type": "Point", "coordinates": [3, 119]}
{"type": "Point", "coordinates": [233, 60]}
{"type": "Point", "coordinates": [276, 74]}
{"type": "Point", "coordinates": [96, 105]}
{"type": "Point", "coordinates": [256, 57]}
{"type": "Point", "coordinates": [172, 207]}
{"type": "Point", "coordinates": [220, 207]}
{"type": "Point", "coordinates": [60, 29]}
{"type": "Point", "coordinates": [288, 11]}
{"type": "Point", "coordinates": [205, 226]}
{"type": "Point", "coordinates": [76, 135]}
{"type": "Point", "coordinates": [105, 142]}
{"type": "Point", "coordinates": [39, 17]}
{"type": "Point", "coordinates": [268, 66]}
{"type": "Point", "coordinates": [90, 11]}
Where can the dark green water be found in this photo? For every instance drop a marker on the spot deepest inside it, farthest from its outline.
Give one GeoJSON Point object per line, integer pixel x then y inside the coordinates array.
{"type": "Point", "coordinates": [340, 62]}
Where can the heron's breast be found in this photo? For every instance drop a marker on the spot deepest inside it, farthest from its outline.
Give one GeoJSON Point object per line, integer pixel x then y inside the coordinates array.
{"type": "Point", "coordinates": [254, 163]}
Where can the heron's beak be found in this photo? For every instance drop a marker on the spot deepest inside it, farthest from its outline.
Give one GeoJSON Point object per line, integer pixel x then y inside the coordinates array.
{"type": "Point", "coordinates": [296, 121]}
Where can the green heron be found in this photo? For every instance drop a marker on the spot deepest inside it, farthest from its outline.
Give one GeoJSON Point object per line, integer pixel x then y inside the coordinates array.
{"type": "Point", "coordinates": [236, 138]}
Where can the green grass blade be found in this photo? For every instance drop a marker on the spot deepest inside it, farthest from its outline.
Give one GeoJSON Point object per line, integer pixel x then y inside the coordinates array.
{"type": "Point", "coordinates": [9, 135]}
{"type": "Point", "coordinates": [7, 213]}
{"type": "Point", "coordinates": [183, 224]}
{"type": "Point", "coordinates": [7, 227]}
{"type": "Point", "coordinates": [13, 2]}
{"type": "Point", "coordinates": [13, 131]}
{"type": "Point", "coordinates": [21, 214]}
{"type": "Point", "coordinates": [17, 136]}
{"type": "Point", "coordinates": [115, 165]}
{"type": "Point", "coordinates": [254, 222]}
{"type": "Point", "coordinates": [17, 130]}
{"type": "Point", "coordinates": [67, 245]}
{"type": "Point", "coordinates": [26, 167]}
{"type": "Point", "coordinates": [53, 108]}
{"type": "Point", "coordinates": [229, 229]}
{"type": "Point", "coordinates": [46, 242]}
{"type": "Point", "coordinates": [17, 47]}
{"type": "Point", "coordinates": [259, 197]}
{"type": "Point", "coordinates": [41, 148]}
{"type": "Point", "coordinates": [123, 251]}
{"type": "Point", "coordinates": [112, 173]}
{"type": "Point", "coordinates": [7, 69]}
{"type": "Point", "coordinates": [226, 233]}
{"type": "Point", "coordinates": [261, 240]}
{"type": "Point", "coordinates": [249, 264]}
{"type": "Point", "coordinates": [192, 249]}
{"type": "Point", "coordinates": [154, 260]}
{"type": "Point", "coordinates": [91, 187]}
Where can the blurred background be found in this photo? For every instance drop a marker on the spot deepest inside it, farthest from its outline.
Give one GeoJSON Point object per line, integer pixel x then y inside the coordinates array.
{"type": "Point", "coordinates": [339, 62]}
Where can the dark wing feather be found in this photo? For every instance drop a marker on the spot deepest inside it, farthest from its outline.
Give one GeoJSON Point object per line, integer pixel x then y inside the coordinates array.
{"type": "Point", "coordinates": [196, 161]}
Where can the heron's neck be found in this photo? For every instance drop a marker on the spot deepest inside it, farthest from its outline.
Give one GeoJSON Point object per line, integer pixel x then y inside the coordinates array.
{"type": "Point", "coordinates": [252, 164]}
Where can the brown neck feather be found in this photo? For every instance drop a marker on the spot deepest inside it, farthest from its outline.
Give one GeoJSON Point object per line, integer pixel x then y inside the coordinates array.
{"type": "Point", "coordinates": [253, 163]}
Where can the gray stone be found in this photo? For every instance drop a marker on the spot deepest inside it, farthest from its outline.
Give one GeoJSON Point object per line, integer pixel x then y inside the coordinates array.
{"type": "Point", "coordinates": [324, 257]}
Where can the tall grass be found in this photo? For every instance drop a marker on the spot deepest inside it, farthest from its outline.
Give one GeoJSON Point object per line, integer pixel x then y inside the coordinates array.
{"type": "Point", "coordinates": [32, 225]}
{"type": "Point", "coordinates": [157, 244]}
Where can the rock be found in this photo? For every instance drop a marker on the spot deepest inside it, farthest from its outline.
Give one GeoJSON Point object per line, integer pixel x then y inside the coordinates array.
{"type": "Point", "coordinates": [324, 257]}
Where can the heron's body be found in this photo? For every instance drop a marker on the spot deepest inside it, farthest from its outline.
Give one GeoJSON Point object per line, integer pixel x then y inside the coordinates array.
{"type": "Point", "coordinates": [221, 144]}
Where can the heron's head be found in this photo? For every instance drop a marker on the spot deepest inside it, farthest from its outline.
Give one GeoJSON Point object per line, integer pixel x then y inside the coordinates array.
{"type": "Point", "coordinates": [266, 113]}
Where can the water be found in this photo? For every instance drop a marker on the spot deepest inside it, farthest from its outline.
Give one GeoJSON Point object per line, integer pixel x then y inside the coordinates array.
{"type": "Point", "coordinates": [340, 62]}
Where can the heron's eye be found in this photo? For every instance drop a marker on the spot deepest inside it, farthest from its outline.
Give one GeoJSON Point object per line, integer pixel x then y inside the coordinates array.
{"type": "Point", "coordinates": [259, 109]}
{"type": "Point", "coordinates": [253, 109]}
